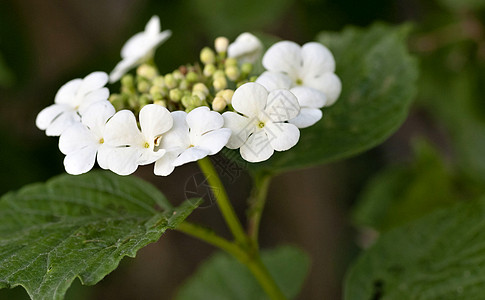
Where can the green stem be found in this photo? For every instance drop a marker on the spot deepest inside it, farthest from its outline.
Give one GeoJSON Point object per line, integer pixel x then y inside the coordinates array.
{"type": "Point", "coordinates": [251, 260]}
{"type": "Point", "coordinates": [257, 202]}
{"type": "Point", "coordinates": [222, 200]}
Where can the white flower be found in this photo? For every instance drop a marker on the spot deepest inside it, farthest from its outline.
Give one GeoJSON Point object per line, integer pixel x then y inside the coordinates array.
{"type": "Point", "coordinates": [192, 137]}
{"type": "Point", "coordinates": [310, 100]}
{"type": "Point", "coordinates": [311, 65]}
{"type": "Point", "coordinates": [246, 48]}
{"type": "Point", "coordinates": [262, 128]}
{"type": "Point", "coordinates": [71, 101]}
{"type": "Point", "coordinates": [83, 141]}
{"type": "Point", "coordinates": [140, 48]}
{"type": "Point", "coordinates": [130, 147]}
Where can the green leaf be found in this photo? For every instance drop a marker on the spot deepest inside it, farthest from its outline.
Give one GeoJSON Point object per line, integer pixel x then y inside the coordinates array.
{"type": "Point", "coordinates": [401, 193]}
{"type": "Point", "coordinates": [223, 277]}
{"type": "Point", "coordinates": [378, 78]}
{"type": "Point", "coordinates": [78, 226]}
{"type": "Point", "coordinates": [440, 256]}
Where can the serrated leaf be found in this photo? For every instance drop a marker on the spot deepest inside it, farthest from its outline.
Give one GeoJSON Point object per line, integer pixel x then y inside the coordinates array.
{"type": "Point", "coordinates": [401, 193]}
{"type": "Point", "coordinates": [223, 277]}
{"type": "Point", "coordinates": [379, 81]}
{"type": "Point", "coordinates": [78, 226]}
{"type": "Point", "coordinates": [440, 256]}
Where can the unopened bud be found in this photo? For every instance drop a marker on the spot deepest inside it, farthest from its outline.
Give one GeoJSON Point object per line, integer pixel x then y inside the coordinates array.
{"type": "Point", "coordinates": [207, 56]}
{"type": "Point", "coordinates": [146, 71]}
{"type": "Point", "coordinates": [117, 101]}
{"type": "Point", "coordinates": [232, 72]}
{"type": "Point", "coordinates": [160, 102]}
{"type": "Point", "coordinates": [192, 77]}
{"type": "Point", "coordinates": [200, 87]}
{"type": "Point", "coordinates": [220, 83]}
{"type": "Point", "coordinates": [209, 70]}
{"type": "Point", "coordinates": [227, 95]}
{"type": "Point", "coordinates": [175, 95]}
{"type": "Point", "coordinates": [144, 100]}
{"type": "Point", "coordinates": [184, 84]}
{"type": "Point", "coordinates": [128, 83]}
{"type": "Point", "coordinates": [200, 95]}
{"type": "Point", "coordinates": [170, 81]}
{"type": "Point", "coordinates": [218, 74]}
{"type": "Point", "coordinates": [219, 104]}
{"type": "Point", "coordinates": [158, 81]}
{"type": "Point", "coordinates": [230, 62]}
{"type": "Point", "coordinates": [221, 44]}
{"type": "Point", "coordinates": [246, 68]}
{"type": "Point", "coordinates": [143, 86]}
{"type": "Point", "coordinates": [177, 74]}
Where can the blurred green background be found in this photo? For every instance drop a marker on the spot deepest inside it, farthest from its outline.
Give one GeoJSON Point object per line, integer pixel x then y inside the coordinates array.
{"type": "Point", "coordinates": [330, 211]}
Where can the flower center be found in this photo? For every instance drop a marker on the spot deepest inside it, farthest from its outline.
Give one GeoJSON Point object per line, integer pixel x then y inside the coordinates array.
{"type": "Point", "coordinates": [299, 81]}
{"type": "Point", "coordinates": [260, 124]}
{"type": "Point", "coordinates": [146, 145]}
{"type": "Point", "coordinates": [157, 140]}
{"type": "Point", "coordinates": [101, 141]}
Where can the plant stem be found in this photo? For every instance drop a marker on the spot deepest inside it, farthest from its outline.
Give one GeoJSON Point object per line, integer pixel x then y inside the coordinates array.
{"type": "Point", "coordinates": [250, 259]}
{"type": "Point", "coordinates": [222, 200]}
{"type": "Point", "coordinates": [257, 202]}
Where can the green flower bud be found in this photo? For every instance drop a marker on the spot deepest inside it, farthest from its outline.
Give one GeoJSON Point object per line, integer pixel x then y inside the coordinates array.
{"type": "Point", "coordinates": [146, 71]}
{"type": "Point", "coordinates": [241, 83]}
{"type": "Point", "coordinates": [170, 81]}
{"type": "Point", "coordinates": [200, 87]}
{"type": "Point", "coordinates": [209, 70]}
{"type": "Point", "coordinates": [144, 100]}
{"type": "Point", "coordinates": [143, 86]}
{"type": "Point", "coordinates": [192, 77]}
{"type": "Point", "coordinates": [230, 62]}
{"type": "Point", "coordinates": [253, 78]}
{"type": "Point", "coordinates": [184, 84]}
{"type": "Point", "coordinates": [207, 56]}
{"type": "Point", "coordinates": [118, 101]}
{"type": "Point", "coordinates": [219, 104]}
{"type": "Point", "coordinates": [220, 83]}
{"type": "Point", "coordinates": [227, 95]}
{"type": "Point", "coordinates": [158, 81]}
{"type": "Point", "coordinates": [218, 74]}
{"type": "Point", "coordinates": [199, 95]}
{"type": "Point", "coordinates": [232, 72]}
{"type": "Point", "coordinates": [175, 95]}
{"type": "Point", "coordinates": [160, 102]}
{"type": "Point", "coordinates": [128, 83]}
{"type": "Point", "coordinates": [246, 68]}
{"type": "Point", "coordinates": [178, 75]}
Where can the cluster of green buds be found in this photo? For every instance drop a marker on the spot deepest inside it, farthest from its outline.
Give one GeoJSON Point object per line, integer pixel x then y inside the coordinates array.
{"type": "Point", "coordinates": [211, 83]}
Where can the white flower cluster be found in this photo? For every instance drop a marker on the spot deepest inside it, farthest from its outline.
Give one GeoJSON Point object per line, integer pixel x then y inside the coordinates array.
{"type": "Point", "coordinates": [257, 117]}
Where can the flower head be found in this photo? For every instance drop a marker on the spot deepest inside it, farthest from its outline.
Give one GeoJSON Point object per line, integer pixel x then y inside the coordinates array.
{"type": "Point", "coordinates": [84, 141]}
{"type": "Point", "coordinates": [71, 101]}
{"type": "Point", "coordinates": [131, 147]}
{"type": "Point", "coordinates": [261, 129]}
{"type": "Point", "coordinates": [192, 137]}
{"type": "Point", "coordinates": [140, 48]}
{"type": "Point", "coordinates": [246, 48]}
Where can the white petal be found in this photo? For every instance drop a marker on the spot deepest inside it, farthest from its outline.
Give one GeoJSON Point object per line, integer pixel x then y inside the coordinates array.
{"type": "Point", "coordinates": [282, 106]}
{"type": "Point", "coordinates": [80, 161]}
{"type": "Point", "coordinates": [178, 136]}
{"type": "Point", "coordinates": [67, 93]}
{"type": "Point", "coordinates": [307, 117]}
{"type": "Point", "coordinates": [273, 81]}
{"type": "Point", "coordinates": [164, 166]}
{"type": "Point", "coordinates": [124, 160]}
{"type": "Point", "coordinates": [149, 156]}
{"type": "Point", "coordinates": [93, 97]}
{"type": "Point", "coordinates": [62, 122]}
{"type": "Point", "coordinates": [246, 48]}
{"type": "Point", "coordinates": [282, 136]}
{"type": "Point", "coordinates": [241, 127]}
{"type": "Point", "coordinates": [317, 59]}
{"type": "Point", "coordinates": [190, 155]}
{"type": "Point", "coordinates": [122, 130]}
{"type": "Point", "coordinates": [202, 120]}
{"type": "Point", "coordinates": [214, 141]}
{"type": "Point", "coordinates": [257, 148]}
{"type": "Point", "coordinates": [75, 138]}
{"type": "Point", "coordinates": [328, 83]}
{"type": "Point", "coordinates": [121, 68]}
{"type": "Point", "coordinates": [249, 99]}
{"type": "Point", "coordinates": [309, 97]}
{"type": "Point", "coordinates": [92, 82]}
{"type": "Point", "coordinates": [104, 152]}
{"type": "Point", "coordinates": [154, 120]}
{"type": "Point", "coordinates": [153, 26]}
{"type": "Point", "coordinates": [48, 114]}
{"type": "Point", "coordinates": [135, 46]}
{"type": "Point", "coordinates": [97, 115]}
{"type": "Point", "coordinates": [284, 57]}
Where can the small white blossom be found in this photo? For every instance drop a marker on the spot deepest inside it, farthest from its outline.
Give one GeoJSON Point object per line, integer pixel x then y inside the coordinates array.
{"type": "Point", "coordinates": [262, 128]}
{"type": "Point", "coordinates": [246, 48]}
{"type": "Point", "coordinates": [311, 65]}
{"type": "Point", "coordinates": [72, 99]}
{"type": "Point", "coordinates": [140, 48]}
{"type": "Point", "coordinates": [83, 141]}
{"type": "Point", "coordinates": [132, 147]}
{"type": "Point", "coordinates": [192, 137]}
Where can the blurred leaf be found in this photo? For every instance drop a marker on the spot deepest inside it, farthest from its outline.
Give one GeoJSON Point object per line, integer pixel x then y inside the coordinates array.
{"type": "Point", "coordinates": [440, 256]}
{"type": "Point", "coordinates": [230, 18]}
{"type": "Point", "coordinates": [6, 76]}
{"type": "Point", "coordinates": [399, 194]}
{"type": "Point", "coordinates": [378, 77]}
{"type": "Point", "coordinates": [223, 277]}
{"type": "Point", "coordinates": [463, 4]}
{"type": "Point", "coordinates": [78, 226]}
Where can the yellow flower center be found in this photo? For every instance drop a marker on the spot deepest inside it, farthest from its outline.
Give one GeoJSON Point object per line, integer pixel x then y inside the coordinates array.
{"type": "Point", "coordinates": [260, 124]}
{"type": "Point", "coordinates": [299, 81]}
{"type": "Point", "coordinates": [146, 145]}
{"type": "Point", "coordinates": [101, 141]}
